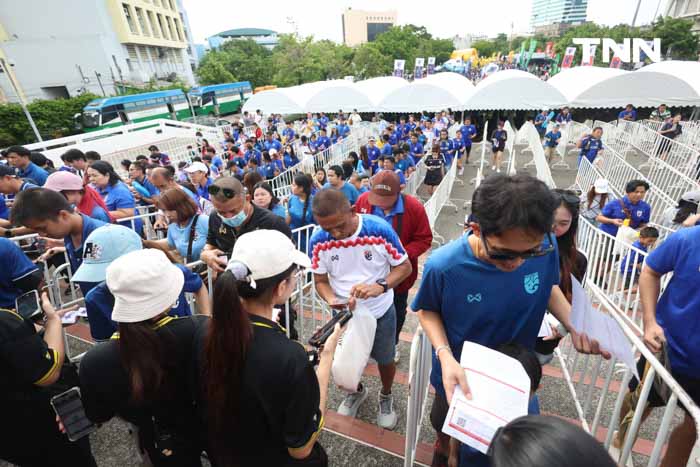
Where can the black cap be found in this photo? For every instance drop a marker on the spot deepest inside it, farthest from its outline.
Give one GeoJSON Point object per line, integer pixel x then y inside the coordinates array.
{"type": "Point", "coordinates": [6, 170]}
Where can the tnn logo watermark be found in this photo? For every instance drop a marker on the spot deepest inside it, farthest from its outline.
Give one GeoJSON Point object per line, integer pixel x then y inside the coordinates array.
{"type": "Point", "coordinates": [652, 49]}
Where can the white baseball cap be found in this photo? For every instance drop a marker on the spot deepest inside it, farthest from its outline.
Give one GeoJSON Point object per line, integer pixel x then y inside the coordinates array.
{"type": "Point", "coordinates": [691, 197]}
{"type": "Point", "coordinates": [601, 186]}
{"type": "Point", "coordinates": [197, 167]}
{"type": "Point", "coordinates": [264, 253]}
{"type": "Point", "coordinates": [144, 284]}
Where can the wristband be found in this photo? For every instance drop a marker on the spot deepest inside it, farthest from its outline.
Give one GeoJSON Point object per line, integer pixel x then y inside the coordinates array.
{"type": "Point", "coordinates": [442, 347]}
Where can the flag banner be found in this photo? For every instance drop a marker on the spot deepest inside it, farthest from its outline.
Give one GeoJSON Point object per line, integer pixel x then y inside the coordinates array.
{"type": "Point", "coordinates": [568, 57]}
{"type": "Point", "coordinates": [549, 49]}
{"type": "Point", "coordinates": [591, 60]}
{"type": "Point", "coordinates": [399, 67]}
{"type": "Point", "coordinates": [431, 65]}
{"type": "Point", "coordinates": [533, 46]}
{"type": "Point", "coordinates": [418, 72]}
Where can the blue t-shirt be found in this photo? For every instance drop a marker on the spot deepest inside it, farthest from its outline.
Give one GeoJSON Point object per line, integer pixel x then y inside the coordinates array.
{"type": "Point", "coordinates": [203, 191]}
{"type": "Point", "coordinates": [348, 190]}
{"type": "Point", "coordinates": [274, 144]}
{"type": "Point", "coordinates": [551, 139]}
{"type": "Point", "coordinates": [4, 210]}
{"type": "Point", "coordinates": [118, 196]}
{"type": "Point", "coordinates": [389, 218]}
{"type": "Point", "coordinates": [446, 149]}
{"type": "Point", "coordinates": [279, 210]}
{"type": "Point", "coordinates": [343, 130]}
{"type": "Point", "coordinates": [15, 265]}
{"type": "Point", "coordinates": [323, 142]}
{"type": "Point", "coordinates": [75, 253]}
{"type": "Point", "coordinates": [562, 118]}
{"type": "Point", "coordinates": [290, 160]}
{"type": "Point", "coordinates": [467, 132]}
{"type": "Point", "coordinates": [678, 309]}
{"type": "Point", "coordinates": [254, 153]}
{"type": "Point", "coordinates": [99, 303]}
{"type": "Point", "coordinates": [633, 258]}
{"type": "Point", "coordinates": [640, 212]}
{"type": "Point", "coordinates": [625, 113]}
{"type": "Point", "coordinates": [268, 170]}
{"type": "Point", "coordinates": [217, 162]}
{"type": "Point", "coordinates": [399, 172]}
{"type": "Point", "coordinates": [387, 150]}
{"type": "Point", "coordinates": [590, 147]}
{"type": "Point", "coordinates": [35, 173]}
{"type": "Point", "coordinates": [416, 151]}
{"type": "Point", "coordinates": [179, 237]}
{"type": "Point", "coordinates": [469, 296]}
{"type": "Point", "coordinates": [373, 153]}
{"type": "Point", "coordinates": [295, 206]}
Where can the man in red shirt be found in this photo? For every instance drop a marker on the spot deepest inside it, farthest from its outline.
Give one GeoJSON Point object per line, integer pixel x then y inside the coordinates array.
{"type": "Point", "coordinates": [408, 218]}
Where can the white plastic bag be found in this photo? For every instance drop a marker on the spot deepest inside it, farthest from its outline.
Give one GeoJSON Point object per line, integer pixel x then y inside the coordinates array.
{"type": "Point", "coordinates": [625, 236]}
{"type": "Point", "coordinates": [353, 349]}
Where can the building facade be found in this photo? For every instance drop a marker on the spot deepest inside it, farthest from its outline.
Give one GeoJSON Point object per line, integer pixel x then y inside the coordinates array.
{"type": "Point", "coordinates": [688, 9]}
{"type": "Point", "coordinates": [265, 37]}
{"type": "Point", "coordinates": [360, 26]}
{"type": "Point", "coordinates": [77, 46]}
{"type": "Point", "coordinates": [555, 16]}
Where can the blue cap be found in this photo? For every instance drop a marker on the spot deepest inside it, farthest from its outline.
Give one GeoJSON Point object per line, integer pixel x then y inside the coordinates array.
{"type": "Point", "coordinates": [103, 246]}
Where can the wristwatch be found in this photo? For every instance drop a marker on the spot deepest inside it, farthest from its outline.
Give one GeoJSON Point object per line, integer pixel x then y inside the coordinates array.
{"type": "Point", "coordinates": [383, 283]}
{"type": "Point", "coordinates": [8, 234]}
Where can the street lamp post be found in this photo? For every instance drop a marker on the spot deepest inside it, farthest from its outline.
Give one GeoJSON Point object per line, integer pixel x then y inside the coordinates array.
{"type": "Point", "coordinates": [5, 68]}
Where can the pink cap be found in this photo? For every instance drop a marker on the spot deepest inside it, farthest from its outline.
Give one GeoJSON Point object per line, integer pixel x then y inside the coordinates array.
{"type": "Point", "coordinates": [63, 180]}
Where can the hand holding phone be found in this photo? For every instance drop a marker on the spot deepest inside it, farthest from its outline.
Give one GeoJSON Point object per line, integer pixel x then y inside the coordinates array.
{"type": "Point", "coordinates": [71, 414]}
{"type": "Point", "coordinates": [320, 336]}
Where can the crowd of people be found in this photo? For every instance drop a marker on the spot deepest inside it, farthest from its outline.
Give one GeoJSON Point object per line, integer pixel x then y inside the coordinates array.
{"type": "Point", "coordinates": [191, 379]}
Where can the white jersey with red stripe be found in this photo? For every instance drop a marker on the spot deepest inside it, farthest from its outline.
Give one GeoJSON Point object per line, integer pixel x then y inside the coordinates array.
{"type": "Point", "coordinates": [363, 258]}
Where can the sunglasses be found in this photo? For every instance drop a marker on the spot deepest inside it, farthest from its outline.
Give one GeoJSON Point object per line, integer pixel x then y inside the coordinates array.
{"type": "Point", "coordinates": [226, 192]}
{"type": "Point", "coordinates": [513, 255]}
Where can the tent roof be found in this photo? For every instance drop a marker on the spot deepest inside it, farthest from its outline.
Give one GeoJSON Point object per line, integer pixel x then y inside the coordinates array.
{"type": "Point", "coordinates": [273, 101]}
{"type": "Point", "coordinates": [339, 96]}
{"type": "Point", "coordinates": [571, 82]}
{"type": "Point", "coordinates": [514, 90]}
{"type": "Point", "coordinates": [434, 93]}
{"type": "Point", "coordinates": [686, 70]}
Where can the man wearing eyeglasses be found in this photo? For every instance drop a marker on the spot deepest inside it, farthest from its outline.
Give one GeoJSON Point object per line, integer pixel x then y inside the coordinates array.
{"type": "Point", "coordinates": [493, 285]}
{"type": "Point", "coordinates": [235, 215]}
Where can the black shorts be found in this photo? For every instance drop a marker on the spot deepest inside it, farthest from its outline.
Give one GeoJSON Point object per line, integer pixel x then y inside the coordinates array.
{"type": "Point", "coordinates": [438, 413]}
{"type": "Point", "coordinates": [467, 150]}
{"type": "Point", "coordinates": [689, 385]}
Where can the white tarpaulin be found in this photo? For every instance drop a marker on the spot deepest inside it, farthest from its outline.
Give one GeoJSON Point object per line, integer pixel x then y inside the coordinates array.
{"type": "Point", "coordinates": [434, 93]}
{"type": "Point", "coordinates": [514, 90]}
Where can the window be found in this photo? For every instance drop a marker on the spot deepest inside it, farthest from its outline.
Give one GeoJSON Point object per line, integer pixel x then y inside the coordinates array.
{"type": "Point", "coordinates": [170, 27]}
{"type": "Point", "coordinates": [131, 50]}
{"type": "Point", "coordinates": [152, 22]}
{"type": "Point", "coordinates": [172, 6]}
{"type": "Point", "coordinates": [374, 29]}
{"type": "Point", "coordinates": [163, 31]}
{"type": "Point", "coordinates": [177, 28]}
{"type": "Point", "coordinates": [142, 22]}
{"type": "Point", "coordinates": [129, 19]}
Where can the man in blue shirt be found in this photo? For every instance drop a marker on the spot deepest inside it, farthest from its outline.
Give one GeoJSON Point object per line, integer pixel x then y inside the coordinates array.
{"type": "Point", "coordinates": [19, 157]}
{"type": "Point", "coordinates": [446, 148]}
{"type": "Point", "coordinates": [628, 114]}
{"type": "Point", "coordinates": [137, 174]}
{"type": "Point", "coordinates": [492, 285]}
{"type": "Point", "coordinates": [564, 116]}
{"type": "Point", "coordinates": [631, 208]}
{"type": "Point", "coordinates": [288, 133]}
{"type": "Point", "coordinates": [390, 165]}
{"type": "Point", "coordinates": [323, 142]}
{"type": "Point", "coordinates": [336, 180]}
{"type": "Point", "coordinates": [18, 274]}
{"type": "Point", "coordinates": [271, 143]}
{"type": "Point", "coordinates": [323, 120]}
{"type": "Point", "coordinates": [551, 141]}
{"type": "Point", "coordinates": [673, 319]}
{"type": "Point", "coordinates": [252, 153]}
{"type": "Point", "coordinates": [415, 149]}
{"type": "Point", "coordinates": [468, 134]}
{"type": "Point", "coordinates": [342, 128]}
{"type": "Point", "coordinates": [541, 123]}
{"type": "Point", "coordinates": [49, 214]}
{"type": "Point", "coordinates": [10, 183]}
{"type": "Point", "coordinates": [373, 152]}
{"type": "Point", "coordinates": [590, 145]}
{"type": "Point", "coordinates": [199, 176]}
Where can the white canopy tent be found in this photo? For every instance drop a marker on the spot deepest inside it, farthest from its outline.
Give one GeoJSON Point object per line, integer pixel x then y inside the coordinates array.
{"type": "Point", "coordinates": [686, 71]}
{"type": "Point", "coordinates": [273, 101]}
{"type": "Point", "coordinates": [514, 90]}
{"type": "Point", "coordinates": [572, 82]}
{"type": "Point", "coordinates": [433, 94]}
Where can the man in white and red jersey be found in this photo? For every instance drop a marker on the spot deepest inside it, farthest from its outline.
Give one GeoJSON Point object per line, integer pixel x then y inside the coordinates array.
{"type": "Point", "coordinates": [359, 259]}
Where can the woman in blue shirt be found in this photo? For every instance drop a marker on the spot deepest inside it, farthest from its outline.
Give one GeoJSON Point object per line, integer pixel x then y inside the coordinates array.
{"type": "Point", "coordinates": [263, 197]}
{"type": "Point", "coordinates": [187, 230]}
{"type": "Point", "coordinates": [116, 195]}
{"type": "Point", "coordinates": [299, 209]}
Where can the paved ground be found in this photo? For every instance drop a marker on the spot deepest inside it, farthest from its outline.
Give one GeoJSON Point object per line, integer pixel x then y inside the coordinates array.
{"type": "Point", "coordinates": [113, 447]}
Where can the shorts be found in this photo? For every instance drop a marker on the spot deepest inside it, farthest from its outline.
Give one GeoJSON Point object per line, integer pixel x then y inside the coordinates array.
{"type": "Point", "coordinates": [550, 152]}
{"type": "Point", "coordinates": [689, 385]}
{"type": "Point", "coordinates": [384, 345]}
{"type": "Point", "coordinates": [468, 150]}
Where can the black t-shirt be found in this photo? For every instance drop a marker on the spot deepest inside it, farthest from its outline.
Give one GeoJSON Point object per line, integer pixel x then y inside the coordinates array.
{"type": "Point", "coordinates": [224, 237]}
{"type": "Point", "coordinates": [25, 358]}
{"type": "Point", "coordinates": [105, 385]}
{"type": "Point", "coordinates": [279, 397]}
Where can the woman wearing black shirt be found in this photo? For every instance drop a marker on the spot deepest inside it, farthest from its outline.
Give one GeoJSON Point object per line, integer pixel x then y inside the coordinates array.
{"type": "Point", "coordinates": [260, 397]}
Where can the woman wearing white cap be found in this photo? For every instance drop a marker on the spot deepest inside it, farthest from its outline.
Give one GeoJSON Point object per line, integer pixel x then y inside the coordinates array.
{"type": "Point", "coordinates": [683, 215]}
{"type": "Point", "coordinates": [143, 374]}
{"type": "Point", "coordinates": [593, 202]}
{"type": "Point", "coordinates": [261, 399]}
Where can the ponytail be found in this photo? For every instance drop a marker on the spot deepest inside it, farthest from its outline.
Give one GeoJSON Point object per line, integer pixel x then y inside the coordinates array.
{"type": "Point", "coordinates": [143, 354]}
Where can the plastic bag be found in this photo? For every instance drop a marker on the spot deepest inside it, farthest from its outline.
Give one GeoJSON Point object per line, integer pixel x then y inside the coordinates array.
{"type": "Point", "coordinates": [353, 349]}
{"type": "Point", "coordinates": [625, 236]}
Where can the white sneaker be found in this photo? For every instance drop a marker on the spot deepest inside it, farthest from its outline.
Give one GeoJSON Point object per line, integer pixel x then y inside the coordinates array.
{"type": "Point", "coordinates": [397, 355]}
{"type": "Point", "coordinates": [493, 167]}
{"type": "Point", "coordinates": [461, 171]}
{"type": "Point", "coordinates": [498, 171]}
{"type": "Point", "coordinates": [352, 402]}
{"type": "Point", "coordinates": [386, 416]}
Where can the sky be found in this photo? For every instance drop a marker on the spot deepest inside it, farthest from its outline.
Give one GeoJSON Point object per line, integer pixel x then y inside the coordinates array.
{"type": "Point", "coordinates": [322, 19]}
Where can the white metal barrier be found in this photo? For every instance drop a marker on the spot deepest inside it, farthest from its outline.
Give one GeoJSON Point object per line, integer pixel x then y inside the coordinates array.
{"type": "Point", "coordinates": [420, 364]}
{"type": "Point", "coordinates": [416, 178]}
{"type": "Point", "coordinates": [538, 160]}
{"type": "Point", "coordinates": [440, 199]}
{"type": "Point", "coordinates": [510, 148]}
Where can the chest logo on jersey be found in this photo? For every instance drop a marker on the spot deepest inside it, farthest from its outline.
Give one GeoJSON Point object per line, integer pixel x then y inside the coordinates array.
{"type": "Point", "coordinates": [639, 213]}
{"type": "Point", "coordinates": [531, 282]}
{"type": "Point", "coordinates": [368, 255]}
{"type": "Point", "coordinates": [474, 298]}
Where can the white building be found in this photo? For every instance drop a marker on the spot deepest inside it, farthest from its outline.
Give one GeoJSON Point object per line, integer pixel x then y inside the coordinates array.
{"type": "Point", "coordinates": [67, 47]}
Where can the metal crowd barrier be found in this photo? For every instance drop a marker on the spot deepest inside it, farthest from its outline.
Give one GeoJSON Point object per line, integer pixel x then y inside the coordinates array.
{"type": "Point", "coordinates": [175, 148]}
{"type": "Point", "coordinates": [510, 148]}
{"type": "Point", "coordinates": [538, 160]}
{"type": "Point", "coordinates": [440, 199]}
{"type": "Point", "coordinates": [416, 178]}
{"type": "Point", "coordinates": [420, 364]}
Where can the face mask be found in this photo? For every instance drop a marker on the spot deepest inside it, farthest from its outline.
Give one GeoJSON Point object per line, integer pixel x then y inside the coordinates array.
{"type": "Point", "coordinates": [234, 221]}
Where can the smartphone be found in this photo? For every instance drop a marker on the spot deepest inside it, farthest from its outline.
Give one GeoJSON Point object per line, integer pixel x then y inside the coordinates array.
{"type": "Point", "coordinates": [319, 337]}
{"type": "Point", "coordinates": [69, 408]}
{"type": "Point", "coordinates": [28, 306]}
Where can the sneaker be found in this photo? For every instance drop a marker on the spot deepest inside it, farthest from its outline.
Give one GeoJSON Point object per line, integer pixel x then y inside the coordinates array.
{"type": "Point", "coordinates": [352, 402]}
{"type": "Point", "coordinates": [397, 355]}
{"type": "Point", "coordinates": [461, 171]}
{"type": "Point", "coordinates": [386, 416]}
{"type": "Point", "coordinates": [493, 167]}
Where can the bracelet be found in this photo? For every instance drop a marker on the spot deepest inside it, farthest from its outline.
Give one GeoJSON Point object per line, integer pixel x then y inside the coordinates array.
{"type": "Point", "coordinates": [442, 347]}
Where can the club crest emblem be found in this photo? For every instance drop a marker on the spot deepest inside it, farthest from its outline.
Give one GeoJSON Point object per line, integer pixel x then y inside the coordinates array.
{"type": "Point", "coordinates": [531, 282]}
{"type": "Point", "coordinates": [368, 255]}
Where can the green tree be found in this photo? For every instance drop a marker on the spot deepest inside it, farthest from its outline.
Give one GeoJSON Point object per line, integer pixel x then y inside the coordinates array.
{"type": "Point", "coordinates": [369, 62]}
{"type": "Point", "coordinates": [237, 60]}
{"type": "Point", "coordinates": [677, 38]}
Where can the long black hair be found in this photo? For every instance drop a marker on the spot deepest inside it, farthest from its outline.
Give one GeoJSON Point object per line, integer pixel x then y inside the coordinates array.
{"type": "Point", "coordinates": [304, 182]}
{"type": "Point", "coordinates": [544, 441]}
{"type": "Point", "coordinates": [227, 342]}
{"type": "Point", "coordinates": [567, 242]}
{"type": "Point", "coordinates": [685, 209]}
{"type": "Point", "coordinates": [105, 168]}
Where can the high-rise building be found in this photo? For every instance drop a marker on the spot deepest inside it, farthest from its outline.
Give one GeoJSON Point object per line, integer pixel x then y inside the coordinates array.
{"type": "Point", "coordinates": [68, 47]}
{"type": "Point", "coordinates": [360, 26]}
{"type": "Point", "coordinates": [555, 16]}
{"type": "Point", "coordinates": [688, 9]}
